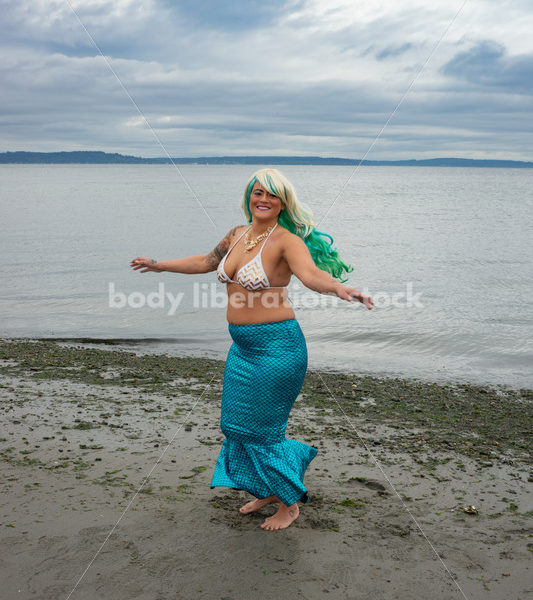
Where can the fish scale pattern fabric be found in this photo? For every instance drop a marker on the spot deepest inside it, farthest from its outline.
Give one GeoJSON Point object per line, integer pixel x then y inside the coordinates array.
{"type": "Point", "coordinates": [264, 373]}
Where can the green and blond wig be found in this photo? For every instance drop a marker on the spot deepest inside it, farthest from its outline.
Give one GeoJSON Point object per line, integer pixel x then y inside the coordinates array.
{"type": "Point", "coordinates": [298, 219]}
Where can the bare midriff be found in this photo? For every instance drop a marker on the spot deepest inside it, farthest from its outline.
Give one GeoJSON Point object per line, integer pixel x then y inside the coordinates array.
{"type": "Point", "coordinates": [263, 306]}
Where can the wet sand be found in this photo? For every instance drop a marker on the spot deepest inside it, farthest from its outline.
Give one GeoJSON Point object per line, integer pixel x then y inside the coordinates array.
{"type": "Point", "coordinates": [107, 458]}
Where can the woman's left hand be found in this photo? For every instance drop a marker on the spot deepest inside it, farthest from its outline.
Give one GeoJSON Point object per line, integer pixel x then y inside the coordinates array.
{"type": "Point", "coordinates": [349, 294]}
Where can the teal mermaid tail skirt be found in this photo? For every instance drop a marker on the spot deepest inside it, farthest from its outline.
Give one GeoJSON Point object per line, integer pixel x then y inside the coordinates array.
{"type": "Point", "coordinates": [264, 373]}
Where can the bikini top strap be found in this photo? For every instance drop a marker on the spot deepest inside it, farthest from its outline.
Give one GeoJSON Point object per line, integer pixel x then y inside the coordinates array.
{"type": "Point", "coordinates": [232, 245]}
{"type": "Point", "coordinates": [245, 231]}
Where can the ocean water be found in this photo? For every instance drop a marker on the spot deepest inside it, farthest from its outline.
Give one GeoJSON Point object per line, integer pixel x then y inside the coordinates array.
{"type": "Point", "coordinates": [444, 252]}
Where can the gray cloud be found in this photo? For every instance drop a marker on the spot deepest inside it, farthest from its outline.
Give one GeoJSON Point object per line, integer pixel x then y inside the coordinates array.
{"type": "Point", "coordinates": [250, 78]}
{"type": "Point", "coordinates": [488, 64]}
{"type": "Point", "coordinates": [230, 15]}
{"type": "Point", "coordinates": [393, 51]}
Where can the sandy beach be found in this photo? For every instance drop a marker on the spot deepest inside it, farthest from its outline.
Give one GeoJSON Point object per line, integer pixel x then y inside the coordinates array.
{"type": "Point", "coordinates": [418, 490]}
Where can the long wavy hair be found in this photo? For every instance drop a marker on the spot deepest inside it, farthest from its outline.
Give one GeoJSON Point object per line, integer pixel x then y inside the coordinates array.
{"type": "Point", "coordinates": [298, 218]}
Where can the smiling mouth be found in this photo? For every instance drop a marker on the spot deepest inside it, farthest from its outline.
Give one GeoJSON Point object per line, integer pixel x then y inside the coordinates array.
{"type": "Point", "coordinates": [261, 207]}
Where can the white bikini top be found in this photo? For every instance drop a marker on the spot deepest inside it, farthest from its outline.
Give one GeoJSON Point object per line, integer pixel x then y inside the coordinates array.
{"type": "Point", "coordinates": [252, 275]}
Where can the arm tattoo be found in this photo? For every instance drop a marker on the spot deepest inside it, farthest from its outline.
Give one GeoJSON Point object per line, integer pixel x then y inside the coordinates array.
{"type": "Point", "coordinates": [217, 254]}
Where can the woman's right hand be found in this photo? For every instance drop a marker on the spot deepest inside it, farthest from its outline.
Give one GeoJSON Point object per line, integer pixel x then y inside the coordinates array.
{"type": "Point", "coordinates": [144, 263]}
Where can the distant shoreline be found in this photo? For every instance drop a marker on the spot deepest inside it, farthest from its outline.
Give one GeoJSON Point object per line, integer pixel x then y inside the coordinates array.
{"type": "Point", "coordinates": [97, 157]}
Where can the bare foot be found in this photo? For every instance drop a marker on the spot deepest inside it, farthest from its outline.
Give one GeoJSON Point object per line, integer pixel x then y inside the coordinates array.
{"type": "Point", "coordinates": [257, 504]}
{"type": "Point", "coordinates": [282, 518]}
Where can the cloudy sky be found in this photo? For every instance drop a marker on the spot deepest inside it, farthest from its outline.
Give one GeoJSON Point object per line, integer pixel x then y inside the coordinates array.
{"type": "Point", "coordinates": [288, 77]}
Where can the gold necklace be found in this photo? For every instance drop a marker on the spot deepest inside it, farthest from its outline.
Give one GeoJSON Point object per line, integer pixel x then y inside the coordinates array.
{"type": "Point", "coordinates": [249, 244]}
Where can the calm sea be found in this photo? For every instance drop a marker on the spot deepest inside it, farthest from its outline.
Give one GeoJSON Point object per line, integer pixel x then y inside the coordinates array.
{"type": "Point", "coordinates": [444, 252]}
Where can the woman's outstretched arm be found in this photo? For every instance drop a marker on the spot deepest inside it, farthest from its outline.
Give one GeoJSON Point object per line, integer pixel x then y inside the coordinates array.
{"type": "Point", "coordinates": [199, 263]}
{"type": "Point", "coordinates": [301, 263]}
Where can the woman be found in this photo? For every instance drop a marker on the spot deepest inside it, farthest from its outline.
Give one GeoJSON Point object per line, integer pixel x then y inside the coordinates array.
{"type": "Point", "coordinates": [267, 361]}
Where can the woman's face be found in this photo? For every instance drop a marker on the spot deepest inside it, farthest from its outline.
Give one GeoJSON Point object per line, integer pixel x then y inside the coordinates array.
{"type": "Point", "coordinates": [263, 204]}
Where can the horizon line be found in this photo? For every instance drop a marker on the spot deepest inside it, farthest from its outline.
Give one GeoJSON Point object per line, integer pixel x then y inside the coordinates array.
{"type": "Point", "coordinates": [263, 157]}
